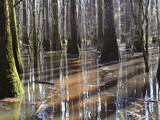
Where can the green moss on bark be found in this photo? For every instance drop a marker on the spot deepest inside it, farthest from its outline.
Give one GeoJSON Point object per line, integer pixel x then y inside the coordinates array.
{"type": "Point", "coordinates": [10, 84]}
{"type": "Point", "coordinates": [15, 40]}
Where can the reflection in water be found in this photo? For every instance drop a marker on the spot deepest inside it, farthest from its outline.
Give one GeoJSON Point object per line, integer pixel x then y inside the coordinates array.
{"type": "Point", "coordinates": [83, 89]}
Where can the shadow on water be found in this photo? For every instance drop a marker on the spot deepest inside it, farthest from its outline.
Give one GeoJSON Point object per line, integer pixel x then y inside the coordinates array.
{"type": "Point", "coordinates": [69, 87]}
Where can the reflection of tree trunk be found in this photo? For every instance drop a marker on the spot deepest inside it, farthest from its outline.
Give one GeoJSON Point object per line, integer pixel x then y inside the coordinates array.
{"type": "Point", "coordinates": [13, 113]}
{"type": "Point", "coordinates": [146, 87]}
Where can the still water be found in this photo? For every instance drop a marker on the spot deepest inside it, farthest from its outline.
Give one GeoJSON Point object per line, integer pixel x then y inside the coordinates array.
{"type": "Point", "coordinates": [66, 87]}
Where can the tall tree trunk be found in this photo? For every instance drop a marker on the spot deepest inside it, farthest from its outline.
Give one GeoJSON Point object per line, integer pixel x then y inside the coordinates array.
{"type": "Point", "coordinates": [73, 41]}
{"type": "Point", "coordinates": [56, 44]}
{"type": "Point", "coordinates": [15, 40]}
{"type": "Point", "coordinates": [79, 19]}
{"type": "Point", "coordinates": [46, 40]}
{"type": "Point", "coordinates": [157, 12]}
{"type": "Point", "coordinates": [100, 24]}
{"type": "Point", "coordinates": [123, 20]}
{"type": "Point", "coordinates": [25, 35]}
{"type": "Point", "coordinates": [63, 22]}
{"type": "Point", "coordinates": [110, 50]}
{"type": "Point", "coordinates": [9, 80]}
{"type": "Point", "coordinates": [35, 43]}
{"type": "Point", "coordinates": [136, 14]}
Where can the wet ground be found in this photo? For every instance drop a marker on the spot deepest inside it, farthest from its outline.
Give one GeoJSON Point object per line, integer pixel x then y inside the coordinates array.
{"type": "Point", "coordinates": [66, 87]}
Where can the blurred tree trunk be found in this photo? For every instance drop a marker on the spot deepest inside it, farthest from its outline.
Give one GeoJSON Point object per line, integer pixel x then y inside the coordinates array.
{"type": "Point", "coordinates": [35, 42]}
{"type": "Point", "coordinates": [9, 80]}
{"type": "Point", "coordinates": [136, 14]}
{"type": "Point", "coordinates": [110, 50]}
{"type": "Point", "coordinates": [15, 40]}
{"type": "Point", "coordinates": [63, 22]}
{"type": "Point", "coordinates": [73, 40]}
{"type": "Point", "coordinates": [25, 34]}
{"type": "Point", "coordinates": [100, 24]}
{"type": "Point", "coordinates": [79, 19]}
{"type": "Point", "coordinates": [123, 20]}
{"type": "Point", "coordinates": [56, 43]}
{"type": "Point", "coordinates": [46, 40]}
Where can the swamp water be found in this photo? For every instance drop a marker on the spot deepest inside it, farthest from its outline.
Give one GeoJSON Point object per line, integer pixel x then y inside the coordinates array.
{"type": "Point", "coordinates": [77, 88]}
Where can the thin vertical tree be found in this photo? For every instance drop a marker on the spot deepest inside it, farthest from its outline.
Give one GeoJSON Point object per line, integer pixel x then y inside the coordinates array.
{"type": "Point", "coordinates": [24, 30]}
{"type": "Point", "coordinates": [35, 43]}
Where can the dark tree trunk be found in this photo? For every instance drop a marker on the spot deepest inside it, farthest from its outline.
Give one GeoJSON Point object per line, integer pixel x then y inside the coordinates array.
{"type": "Point", "coordinates": [73, 40]}
{"type": "Point", "coordinates": [46, 40]}
{"type": "Point", "coordinates": [100, 24]}
{"type": "Point", "coordinates": [56, 43]}
{"type": "Point", "coordinates": [10, 85]}
{"type": "Point", "coordinates": [110, 50]}
{"type": "Point", "coordinates": [35, 42]}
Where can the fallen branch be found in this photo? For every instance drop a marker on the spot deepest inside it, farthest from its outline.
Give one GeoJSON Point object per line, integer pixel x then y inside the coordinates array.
{"type": "Point", "coordinates": [44, 82]}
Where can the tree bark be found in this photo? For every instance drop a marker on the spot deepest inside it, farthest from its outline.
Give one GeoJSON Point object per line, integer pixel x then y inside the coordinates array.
{"type": "Point", "coordinates": [56, 44]}
{"type": "Point", "coordinates": [9, 80]}
{"type": "Point", "coordinates": [110, 50]}
{"type": "Point", "coordinates": [25, 34]}
{"type": "Point", "coordinates": [15, 40]}
{"type": "Point", "coordinates": [73, 40]}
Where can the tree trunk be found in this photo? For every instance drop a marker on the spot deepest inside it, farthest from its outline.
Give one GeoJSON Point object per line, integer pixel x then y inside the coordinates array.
{"type": "Point", "coordinates": [35, 43]}
{"type": "Point", "coordinates": [56, 44]}
{"type": "Point", "coordinates": [100, 24]}
{"type": "Point", "coordinates": [73, 40]}
{"type": "Point", "coordinates": [9, 80]}
{"type": "Point", "coordinates": [110, 50]}
{"type": "Point", "coordinates": [46, 40]}
{"type": "Point", "coordinates": [25, 35]}
{"type": "Point", "coordinates": [15, 40]}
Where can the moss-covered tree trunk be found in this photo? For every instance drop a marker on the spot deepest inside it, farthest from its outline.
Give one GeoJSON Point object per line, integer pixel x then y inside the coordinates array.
{"type": "Point", "coordinates": [110, 50]}
{"type": "Point", "coordinates": [15, 39]}
{"type": "Point", "coordinates": [10, 84]}
{"type": "Point", "coordinates": [56, 44]}
{"type": "Point", "coordinates": [73, 39]}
